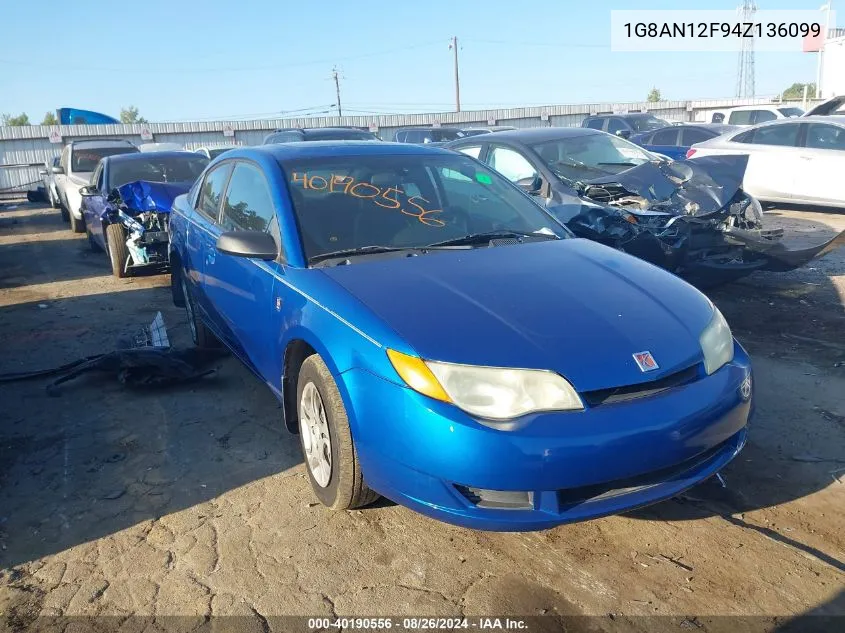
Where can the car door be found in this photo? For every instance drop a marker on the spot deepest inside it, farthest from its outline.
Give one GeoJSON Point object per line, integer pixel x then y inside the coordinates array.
{"type": "Point", "coordinates": [93, 206]}
{"type": "Point", "coordinates": [240, 289]}
{"type": "Point", "coordinates": [511, 163]}
{"type": "Point", "coordinates": [773, 161]}
{"type": "Point", "coordinates": [617, 125]}
{"type": "Point", "coordinates": [665, 142]}
{"type": "Point", "coordinates": [820, 178]}
{"type": "Point", "coordinates": [201, 242]}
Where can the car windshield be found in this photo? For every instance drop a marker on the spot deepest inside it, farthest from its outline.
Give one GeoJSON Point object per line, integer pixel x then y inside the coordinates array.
{"type": "Point", "coordinates": [440, 135]}
{"type": "Point", "coordinates": [646, 123]}
{"type": "Point", "coordinates": [405, 201]}
{"type": "Point", "coordinates": [183, 168]}
{"type": "Point", "coordinates": [342, 135]}
{"type": "Point", "coordinates": [590, 155]}
{"type": "Point", "coordinates": [86, 158]}
{"type": "Point", "coordinates": [788, 112]}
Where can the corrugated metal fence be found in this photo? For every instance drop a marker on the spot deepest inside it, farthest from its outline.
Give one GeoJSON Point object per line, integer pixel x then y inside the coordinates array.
{"type": "Point", "coordinates": [24, 150]}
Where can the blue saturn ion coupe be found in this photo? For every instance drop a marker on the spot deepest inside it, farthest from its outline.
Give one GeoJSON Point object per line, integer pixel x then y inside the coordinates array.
{"type": "Point", "coordinates": [436, 337]}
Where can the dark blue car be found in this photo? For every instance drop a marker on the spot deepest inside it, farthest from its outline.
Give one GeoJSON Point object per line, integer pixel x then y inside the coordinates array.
{"type": "Point", "coordinates": [675, 140]}
{"type": "Point", "coordinates": [436, 337]}
{"type": "Point", "coordinates": [126, 207]}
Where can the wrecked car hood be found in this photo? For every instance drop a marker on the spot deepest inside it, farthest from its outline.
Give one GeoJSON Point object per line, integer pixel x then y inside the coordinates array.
{"type": "Point", "coordinates": [572, 306]}
{"type": "Point", "coordinates": [706, 184]}
{"type": "Point", "coordinates": [143, 195]}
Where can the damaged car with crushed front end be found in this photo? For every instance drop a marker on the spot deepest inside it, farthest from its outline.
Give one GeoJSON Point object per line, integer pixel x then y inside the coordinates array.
{"type": "Point", "coordinates": [689, 217]}
{"type": "Point", "coordinates": [126, 207]}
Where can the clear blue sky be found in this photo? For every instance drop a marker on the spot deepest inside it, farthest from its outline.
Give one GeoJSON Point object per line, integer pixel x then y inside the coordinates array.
{"type": "Point", "coordinates": [218, 59]}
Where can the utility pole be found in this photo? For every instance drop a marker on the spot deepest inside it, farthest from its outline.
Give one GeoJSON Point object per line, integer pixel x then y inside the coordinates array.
{"type": "Point", "coordinates": [337, 90]}
{"type": "Point", "coordinates": [454, 47]}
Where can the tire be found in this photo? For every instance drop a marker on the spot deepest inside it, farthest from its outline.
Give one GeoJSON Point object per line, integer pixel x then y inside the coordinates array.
{"type": "Point", "coordinates": [340, 484]}
{"type": "Point", "coordinates": [202, 336]}
{"type": "Point", "coordinates": [77, 226]}
{"type": "Point", "coordinates": [116, 246]}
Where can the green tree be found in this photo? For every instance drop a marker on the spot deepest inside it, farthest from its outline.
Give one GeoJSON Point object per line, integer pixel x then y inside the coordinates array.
{"type": "Point", "coordinates": [21, 119]}
{"type": "Point", "coordinates": [130, 115]}
{"type": "Point", "coordinates": [796, 91]}
{"type": "Point", "coordinates": [50, 119]}
{"type": "Point", "coordinates": [654, 96]}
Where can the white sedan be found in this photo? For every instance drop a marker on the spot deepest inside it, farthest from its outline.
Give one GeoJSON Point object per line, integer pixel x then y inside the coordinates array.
{"type": "Point", "coordinates": [789, 160]}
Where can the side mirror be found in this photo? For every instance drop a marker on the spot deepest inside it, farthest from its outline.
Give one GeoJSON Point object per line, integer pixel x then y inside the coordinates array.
{"type": "Point", "coordinates": [88, 190]}
{"type": "Point", "coordinates": [623, 133]}
{"type": "Point", "coordinates": [530, 185]}
{"type": "Point", "coordinates": [57, 170]}
{"type": "Point", "coordinates": [257, 244]}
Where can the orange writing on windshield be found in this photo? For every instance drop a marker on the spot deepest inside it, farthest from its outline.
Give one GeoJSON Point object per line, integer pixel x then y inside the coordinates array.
{"type": "Point", "coordinates": [387, 198]}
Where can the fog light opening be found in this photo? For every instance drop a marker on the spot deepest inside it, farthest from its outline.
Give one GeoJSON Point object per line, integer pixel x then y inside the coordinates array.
{"type": "Point", "coordinates": [498, 499]}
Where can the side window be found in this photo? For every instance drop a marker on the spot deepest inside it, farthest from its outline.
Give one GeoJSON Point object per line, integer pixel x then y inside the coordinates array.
{"type": "Point", "coordinates": [595, 124]}
{"type": "Point", "coordinates": [474, 151]}
{"type": "Point", "coordinates": [760, 116]}
{"type": "Point", "coordinates": [691, 136]}
{"type": "Point", "coordinates": [823, 136]}
{"type": "Point", "coordinates": [745, 137]}
{"type": "Point", "coordinates": [511, 164]}
{"type": "Point", "coordinates": [247, 205]}
{"type": "Point", "coordinates": [777, 135]}
{"type": "Point", "coordinates": [740, 117]}
{"type": "Point", "coordinates": [399, 137]}
{"type": "Point", "coordinates": [616, 124]}
{"type": "Point", "coordinates": [718, 117]}
{"type": "Point", "coordinates": [212, 190]}
{"type": "Point", "coordinates": [669, 136]}
{"type": "Point", "coordinates": [97, 177]}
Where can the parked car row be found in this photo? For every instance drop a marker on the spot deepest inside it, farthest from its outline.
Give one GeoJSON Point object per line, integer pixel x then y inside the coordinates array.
{"type": "Point", "coordinates": [372, 286]}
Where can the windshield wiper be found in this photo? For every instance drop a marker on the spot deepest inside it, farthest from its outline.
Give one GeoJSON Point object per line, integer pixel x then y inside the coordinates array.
{"type": "Point", "coordinates": [360, 250]}
{"type": "Point", "coordinates": [478, 238]}
{"type": "Point", "coordinates": [620, 164]}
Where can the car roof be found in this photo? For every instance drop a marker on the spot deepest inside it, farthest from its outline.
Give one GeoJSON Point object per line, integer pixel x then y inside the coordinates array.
{"type": "Point", "coordinates": [535, 134]}
{"type": "Point", "coordinates": [109, 142]}
{"type": "Point", "coordinates": [330, 149]}
{"type": "Point", "coordinates": [624, 115]}
{"type": "Point", "coordinates": [838, 119]}
{"type": "Point", "coordinates": [429, 127]}
{"type": "Point", "coordinates": [121, 158]}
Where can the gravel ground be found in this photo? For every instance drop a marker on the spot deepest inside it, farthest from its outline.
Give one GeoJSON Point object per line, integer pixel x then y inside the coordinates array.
{"type": "Point", "coordinates": [193, 501]}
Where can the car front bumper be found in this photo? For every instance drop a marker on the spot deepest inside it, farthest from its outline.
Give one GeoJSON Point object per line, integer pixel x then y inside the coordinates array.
{"type": "Point", "coordinates": [570, 466]}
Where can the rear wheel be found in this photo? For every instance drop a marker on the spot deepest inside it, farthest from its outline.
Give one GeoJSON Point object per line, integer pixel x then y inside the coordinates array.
{"type": "Point", "coordinates": [202, 336]}
{"type": "Point", "coordinates": [116, 245]}
{"type": "Point", "coordinates": [77, 226]}
{"type": "Point", "coordinates": [327, 446]}
{"type": "Point", "coordinates": [91, 243]}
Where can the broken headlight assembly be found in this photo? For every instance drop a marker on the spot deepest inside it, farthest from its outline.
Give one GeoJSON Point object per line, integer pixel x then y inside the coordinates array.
{"type": "Point", "coordinates": [494, 393]}
{"type": "Point", "coordinates": [717, 343]}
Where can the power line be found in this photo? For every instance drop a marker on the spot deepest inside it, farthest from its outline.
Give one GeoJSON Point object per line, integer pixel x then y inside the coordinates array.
{"type": "Point", "coordinates": [218, 69]}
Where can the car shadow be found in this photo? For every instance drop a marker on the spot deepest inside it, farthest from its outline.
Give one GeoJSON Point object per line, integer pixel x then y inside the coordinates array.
{"type": "Point", "coordinates": [101, 456]}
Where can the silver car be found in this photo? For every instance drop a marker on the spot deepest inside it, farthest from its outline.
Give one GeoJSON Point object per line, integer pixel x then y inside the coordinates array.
{"type": "Point", "coordinates": [789, 160]}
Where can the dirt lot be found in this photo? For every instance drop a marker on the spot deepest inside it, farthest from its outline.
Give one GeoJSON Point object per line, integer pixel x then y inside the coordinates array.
{"type": "Point", "coordinates": [194, 502]}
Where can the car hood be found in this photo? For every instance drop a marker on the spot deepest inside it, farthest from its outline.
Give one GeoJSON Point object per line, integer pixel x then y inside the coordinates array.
{"type": "Point", "coordinates": [572, 306]}
{"type": "Point", "coordinates": [709, 183]}
{"type": "Point", "coordinates": [142, 195]}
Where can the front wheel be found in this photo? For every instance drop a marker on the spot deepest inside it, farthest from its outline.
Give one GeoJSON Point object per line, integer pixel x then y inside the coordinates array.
{"type": "Point", "coordinates": [330, 456]}
{"type": "Point", "coordinates": [116, 244]}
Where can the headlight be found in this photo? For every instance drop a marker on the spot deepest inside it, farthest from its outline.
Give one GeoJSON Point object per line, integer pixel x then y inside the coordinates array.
{"type": "Point", "coordinates": [754, 211]}
{"type": "Point", "coordinates": [496, 393]}
{"type": "Point", "coordinates": [717, 343]}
